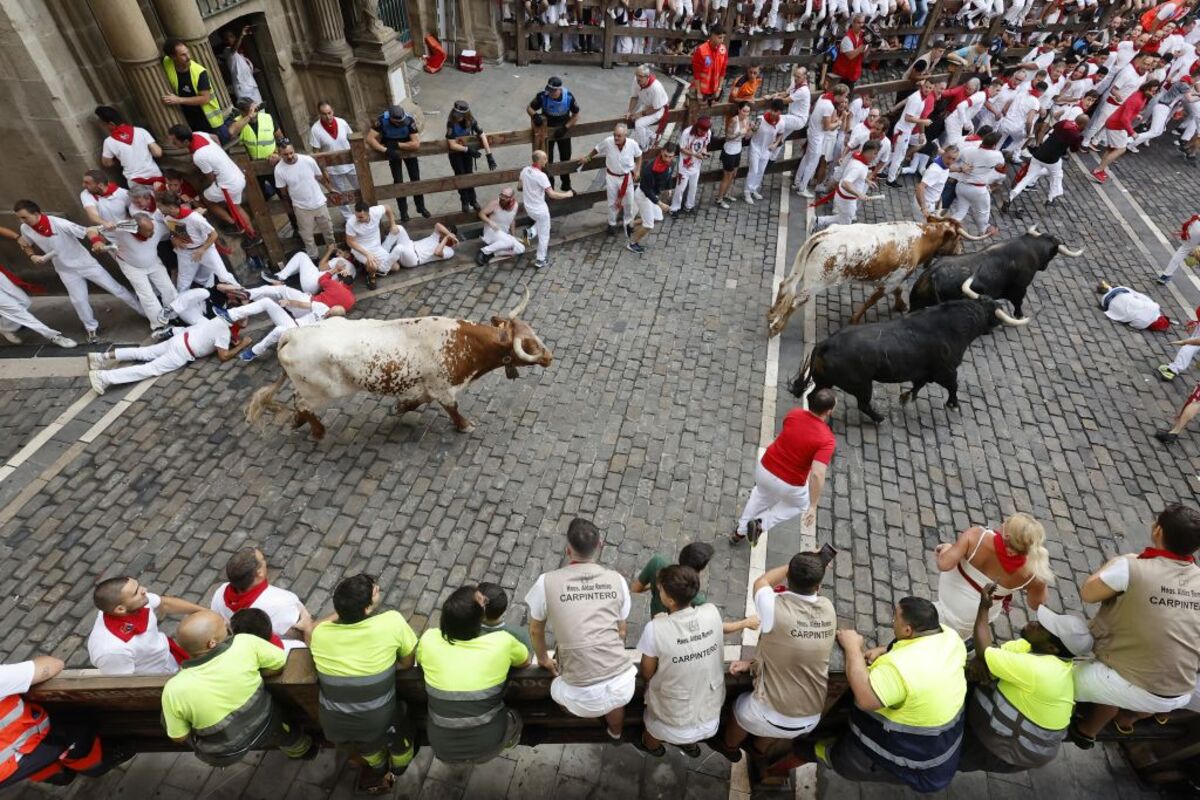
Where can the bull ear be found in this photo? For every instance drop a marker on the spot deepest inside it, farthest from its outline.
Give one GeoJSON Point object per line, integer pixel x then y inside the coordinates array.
{"type": "Point", "coordinates": [506, 338]}
{"type": "Point", "coordinates": [500, 322]}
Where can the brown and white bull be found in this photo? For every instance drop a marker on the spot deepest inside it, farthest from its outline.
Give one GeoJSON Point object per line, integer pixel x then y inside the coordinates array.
{"type": "Point", "coordinates": [884, 254]}
{"type": "Point", "coordinates": [417, 361]}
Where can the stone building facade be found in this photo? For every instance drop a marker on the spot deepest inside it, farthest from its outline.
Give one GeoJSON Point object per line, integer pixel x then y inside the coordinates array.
{"type": "Point", "coordinates": [59, 59]}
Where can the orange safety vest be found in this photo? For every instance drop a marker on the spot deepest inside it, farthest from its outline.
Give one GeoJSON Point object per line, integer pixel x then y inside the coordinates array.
{"type": "Point", "coordinates": [849, 68]}
{"type": "Point", "coordinates": [708, 68]}
{"type": "Point", "coordinates": [22, 728]}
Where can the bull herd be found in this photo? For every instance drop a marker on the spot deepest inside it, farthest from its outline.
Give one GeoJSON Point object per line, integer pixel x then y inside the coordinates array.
{"type": "Point", "coordinates": [955, 300]}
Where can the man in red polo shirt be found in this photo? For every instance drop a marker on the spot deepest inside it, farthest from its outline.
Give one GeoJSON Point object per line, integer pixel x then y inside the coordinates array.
{"type": "Point", "coordinates": [852, 50]}
{"type": "Point", "coordinates": [1118, 128]}
{"type": "Point", "coordinates": [709, 63]}
{"type": "Point", "coordinates": [789, 478]}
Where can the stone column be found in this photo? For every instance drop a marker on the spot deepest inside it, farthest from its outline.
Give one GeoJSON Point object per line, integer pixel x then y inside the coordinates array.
{"type": "Point", "coordinates": [327, 24]}
{"type": "Point", "coordinates": [181, 18]}
{"type": "Point", "coordinates": [129, 39]}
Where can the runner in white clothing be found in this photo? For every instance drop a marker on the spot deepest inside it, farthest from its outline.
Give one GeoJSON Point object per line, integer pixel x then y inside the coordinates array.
{"type": "Point", "coordinates": [134, 149]}
{"type": "Point", "coordinates": [1019, 117]}
{"type": "Point", "coordinates": [331, 134]}
{"type": "Point", "coordinates": [914, 114]}
{"type": "Point", "coordinates": [693, 149]}
{"type": "Point", "coordinates": [102, 200]}
{"type": "Point", "coordinates": [622, 166]}
{"type": "Point", "coordinates": [979, 168]}
{"type": "Point", "coordinates": [822, 124]}
{"type": "Point", "coordinates": [195, 243]}
{"type": "Point", "coordinates": [59, 241]}
{"type": "Point", "coordinates": [763, 141]}
{"type": "Point", "coordinates": [536, 188]}
{"type": "Point", "coordinates": [364, 239]}
{"type": "Point", "coordinates": [15, 314]}
{"type": "Point", "coordinates": [137, 256]}
{"type": "Point", "coordinates": [851, 189]}
{"type": "Point", "coordinates": [647, 104]}
{"type": "Point", "coordinates": [499, 218]}
{"type": "Point", "coordinates": [799, 99]}
{"type": "Point", "coordinates": [928, 196]}
{"type": "Point", "coordinates": [223, 196]}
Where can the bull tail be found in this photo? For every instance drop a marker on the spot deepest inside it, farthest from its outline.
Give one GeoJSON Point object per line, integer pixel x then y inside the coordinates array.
{"type": "Point", "coordinates": [799, 384]}
{"type": "Point", "coordinates": [264, 400]}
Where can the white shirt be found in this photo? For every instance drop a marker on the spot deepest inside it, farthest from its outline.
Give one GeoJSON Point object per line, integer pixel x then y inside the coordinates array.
{"type": "Point", "coordinates": [366, 234]}
{"type": "Point", "coordinates": [1126, 83]}
{"type": "Point", "coordinates": [1120, 57]}
{"type": "Point", "coordinates": [858, 111]}
{"type": "Point", "coordinates": [63, 243]}
{"type": "Point", "coordinates": [204, 338]}
{"type": "Point", "coordinates": [1116, 575]}
{"type": "Point", "coordinates": [764, 137]}
{"type": "Point", "coordinates": [934, 181]}
{"type": "Point", "coordinates": [764, 604]}
{"type": "Point", "coordinates": [822, 111]}
{"type": "Point", "coordinates": [618, 161]}
{"type": "Point", "coordinates": [282, 606]}
{"type": "Point", "coordinates": [801, 102]}
{"type": "Point", "coordinates": [859, 135]}
{"type": "Point", "coordinates": [197, 228]}
{"type": "Point", "coordinates": [536, 599]}
{"type": "Point", "coordinates": [1172, 44]}
{"type": "Point", "coordinates": [1018, 110]}
{"type": "Point", "coordinates": [213, 160]}
{"type": "Point", "coordinates": [854, 175]}
{"type": "Point", "coordinates": [16, 678]}
{"type": "Point", "coordinates": [914, 106]}
{"type": "Point", "coordinates": [1133, 308]}
{"type": "Point", "coordinates": [690, 142]}
{"type": "Point", "coordinates": [534, 184]}
{"type": "Point", "coordinates": [134, 251]}
{"type": "Point", "coordinates": [145, 654]}
{"type": "Point", "coordinates": [300, 180]}
{"type": "Point", "coordinates": [981, 166]}
{"type": "Point", "coordinates": [884, 155]}
{"type": "Point", "coordinates": [112, 208]}
{"type": "Point", "coordinates": [1043, 60]}
{"type": "Point", "coordinates": [241, 70]}
{"type": "Point", "coordinates": [134, 158]}
{"type": "Point", "coordinates": [320, 140]}
{"type": "Point", "coordinates": [9, 292]}
{"type": "Point", "coordinates": [654, 95]}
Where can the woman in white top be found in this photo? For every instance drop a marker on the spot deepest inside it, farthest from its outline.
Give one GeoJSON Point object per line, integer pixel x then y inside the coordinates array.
{"type": "Point", "coordinates": [737, 128]}
{"type": "Point", "coordinates": [1014, 558]}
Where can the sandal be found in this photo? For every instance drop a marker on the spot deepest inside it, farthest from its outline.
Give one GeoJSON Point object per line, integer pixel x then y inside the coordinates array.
{"type": "Point", "coordinates": [1123, 731]}
{"type": "Point", "coordinates": [640, 744]}
{"type": "Point", "coordinates": [690, 750]}
{"type": "Point", "coordinates": [371, 783]}
{"type": "Point", "coordinates": [733, 754]}
{"type": "Point", "coordinates": [1162, 719]}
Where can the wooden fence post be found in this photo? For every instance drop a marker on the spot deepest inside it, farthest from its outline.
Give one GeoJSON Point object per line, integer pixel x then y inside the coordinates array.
{"type": "Point", "coordinates": [610, 40]}
{"type": "Point", "coordinates": [522, 43]}
{"type": "Point", "coordinates": [264, 223]}
{"type": "Point", "coordinates": [362, 168]}
{"type": "Point", "coordinates": [935, 14]}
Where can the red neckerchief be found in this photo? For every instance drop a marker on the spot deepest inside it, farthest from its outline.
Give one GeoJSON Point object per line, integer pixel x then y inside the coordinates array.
{"type": "Point", "coordinates": [178, 653]}
{"type": "Point", "coordinates": [138, 235]}
{"type": "Point", "coordinates": [972, 138]}
{"type": "Point", "coordinates": [827, 96]}
{"type": "Point", "coordinates": [1009, 562]}
{"type": "Point", "coordinates": [236, 600]}
{"type": "Point", "coordinates": [26, 286]}
{"type": "Point", "coordinates": [767, 117]}
{"type": "Point", "coordinates": [235, 331]}
{"type": "Point", "coordinates": [1183, 232]}
{"type": "Point", "coordinates": [860, 158]}
{"type": "Point", "coordinates": [184, 211]}
{"type": "Point", "coordinates": [331, 127]}
{"type": "Point", "coordinates": [1035, 93]}
{"type": "Point", "coordinates": [512, 203]}
{"type": "Point", "coordinates": [42, 227]}
{"type": "Point", "coordinates": [130, 625]}
{"type": "Point", "coordinates": [275, 640]}
{"type": "Point", "coordinates": [198, 141]}
{"type": "Point", "coordinates": [1154, 552]}
{"type": "Point", "coordinates": [107, 191]}
{"type": "Point", "coordinates": [649, 80]}
{"type": "Point", "coordinates": [659, 166]}
{"type": "Point", "coordinates": [123, 133]}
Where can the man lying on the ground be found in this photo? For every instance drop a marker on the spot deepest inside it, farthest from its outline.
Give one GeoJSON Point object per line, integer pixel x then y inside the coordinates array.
{"type": "Point", "coordinates": [204, 338]}
{"type": "Point", "coordinates": [1122, 304]}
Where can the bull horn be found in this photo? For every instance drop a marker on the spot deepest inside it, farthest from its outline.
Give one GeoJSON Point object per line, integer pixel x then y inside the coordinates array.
{"type": "Point", "coordinates": [1032, 230]}
{"type": "Point", "coordinates": [519, 349]}
{"type": "Point", "coordinates": [1068, 252]}
{"type": "Point", "coordinates": [520, 309]}
{"type": "Point", "coordinates": [968, 291]}
{"type": "Point", "coordinates": [970, 237]}
{"type": "Point", "coordinates": [1009, 319]}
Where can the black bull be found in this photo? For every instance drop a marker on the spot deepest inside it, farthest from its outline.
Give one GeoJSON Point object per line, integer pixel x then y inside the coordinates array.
{"type": "Point", "coordinates": [1003, 271]}
{"type": "Point", "coordinates": [922, 347]}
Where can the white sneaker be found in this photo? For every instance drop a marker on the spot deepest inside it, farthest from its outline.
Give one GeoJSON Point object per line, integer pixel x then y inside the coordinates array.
{"type": "Point", "coordinates": [541, 264]}
{"type": "Point", "coordinates": [749, 200]}
{"type": "Point", "coordinates": [62, 341]}
{"type": "Point", "coordinates": [96, 360]}
{"type": "Point", "coordinates": [94, 379]}
{"type": "Point", "coordinates": [756, 195]}
{"type": "Point", "coordinates": [10, 337]}
{"type": "Point", "coordinates": [807, 193]}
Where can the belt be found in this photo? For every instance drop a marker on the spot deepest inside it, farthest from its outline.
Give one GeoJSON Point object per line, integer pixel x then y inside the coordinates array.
{"type": "Point", "coordinates": [842, 195]}
{"type": "Point", "coordinates": [975, 184]}
{"type": "Point", "coordinates": [187, 346]}
{"type": "Point", "coordinates": [616, 174]}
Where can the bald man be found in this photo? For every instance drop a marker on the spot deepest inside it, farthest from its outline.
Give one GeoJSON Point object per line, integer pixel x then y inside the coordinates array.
{"type": "Point", "coordinates": [218, 704]}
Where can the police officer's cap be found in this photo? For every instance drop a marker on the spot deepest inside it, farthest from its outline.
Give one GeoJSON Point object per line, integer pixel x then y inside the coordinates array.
{"type": "Point", "coordinates": [554, 83]}
{"type": "Point", "coordinates": [396, 115]}
{"type": "Point", "coordinates": [461, 106]}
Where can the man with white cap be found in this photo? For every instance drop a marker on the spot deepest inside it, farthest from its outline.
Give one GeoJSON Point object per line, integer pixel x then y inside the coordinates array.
{"type": "Point", "coordinates": [622, 166]}
{"type": "Point", "coordinates": [647, 106]}
{"type": "Point", "coordinates": [1017, 716]}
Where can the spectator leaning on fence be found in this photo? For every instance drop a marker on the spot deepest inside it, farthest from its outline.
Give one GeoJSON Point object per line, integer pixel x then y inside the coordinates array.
{"type": "Point", "coordinates": [132, 148]}
{"type": "Point", "coordinates": [535, 187]}
{"type": "Point", "coordinates": [331, 134]}
{"type": "Point", "coordinates": [394, 133]}
{"type": "Point", "coordinates": [647, 110]}
{"type": "Point", "coordinates": [303, 182]}
{"type": "Point", "coordinates": [555, 109]}
{"type": "Point", "coordinates": [622, 168]}
{"type": "Point", "coordinates": [248, 586]}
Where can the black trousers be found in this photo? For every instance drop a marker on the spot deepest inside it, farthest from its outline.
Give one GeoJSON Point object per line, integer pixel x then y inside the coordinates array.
{"type": "Point", "coordinates": [463, 164]}
{"type": "Point", "coordinates": [563, 146]}
{"type": "Point", "coordinates": [397, 164]}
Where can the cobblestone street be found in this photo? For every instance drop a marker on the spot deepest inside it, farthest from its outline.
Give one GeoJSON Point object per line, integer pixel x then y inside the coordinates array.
{"type": "Point", "coordinates": [648, 421]}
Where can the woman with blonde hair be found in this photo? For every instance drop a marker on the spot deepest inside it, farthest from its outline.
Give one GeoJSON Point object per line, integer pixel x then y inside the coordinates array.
{"type": "Point", "coordinates": [1013, 557]}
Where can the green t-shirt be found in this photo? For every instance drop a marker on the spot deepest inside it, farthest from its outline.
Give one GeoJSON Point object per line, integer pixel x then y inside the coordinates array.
{"type": "Point", "coordinates": [518, 631]}
{"type": "Point", "coordinates": [1040, 686]}
{"type": "Point", "coordinates": [203, 694]}
{"type": "Point", "coordinates": [649, 577]}
{"type": "Point", "coordinates": [471, 664]}
{"type": "Point", "coordinates": [368, 647]}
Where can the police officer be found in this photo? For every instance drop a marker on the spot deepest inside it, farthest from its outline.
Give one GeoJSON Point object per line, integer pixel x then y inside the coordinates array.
{"type": "Point", "coordinates": [461, 125]}
{"type": "Point", "coordinates": [555, 109]}
{"type": "Point", "coordinates": [394, 133]}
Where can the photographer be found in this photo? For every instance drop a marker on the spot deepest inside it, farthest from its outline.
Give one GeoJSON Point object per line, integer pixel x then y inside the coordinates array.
{"type": "Point", "coordinates": [554, 110]}
{"type": "Point", "coordinates": [459, 126]}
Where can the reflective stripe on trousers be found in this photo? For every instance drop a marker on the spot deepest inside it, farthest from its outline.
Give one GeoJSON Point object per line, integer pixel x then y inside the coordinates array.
{"type": "Point", "coordinates": [469, 709]}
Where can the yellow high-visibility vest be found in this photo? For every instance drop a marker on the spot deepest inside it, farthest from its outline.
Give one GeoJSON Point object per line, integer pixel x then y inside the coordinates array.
{"type": "Point", "coordinates": [212, 109]}
{"type": "Point", "coordinates": [258, 137]}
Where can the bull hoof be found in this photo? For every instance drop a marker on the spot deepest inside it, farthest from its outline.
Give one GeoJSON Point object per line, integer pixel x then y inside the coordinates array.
{"type": "Point", "coordinates": [875, 418]}
{"type": "Point", "coordinates": [318, 430]}
{"type": "Point", "coordinates": [466, 427]}
{"type": "Point", "coordinates": [900, 307]}
{"type": "Point", "coordinates": [952, 405]}
{"type": "Point", "coordinates": [905, 397]}
{"type": "Point", "coordinates": [299, 419]}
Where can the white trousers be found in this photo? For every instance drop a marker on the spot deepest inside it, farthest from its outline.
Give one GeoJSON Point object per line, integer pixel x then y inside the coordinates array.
{"type": "Point", "coordinates": [301, 264]}
{"type": "Point", "coordinates": [899, 151]}
{"type": "Point", "coordinates": [1036, 170]}
{"type": "Point", "coordinates": [756, 169]}
{"type": "Point", "coordinates": [844, 212]}
{"type": "Point", "coordinates": [158, 359]}
{"type": "Point", "coordinates": [1159, 116]}
{"type": "Point", "coordinates": [612, 183]}
{"type": "Point", "coordinates": [1096, 127]}
{"type": "Point", "coordinates": [15, 315]}
{"type": "Point", "coordinates": [265, 305]}
{"type": "Point", "coordinates": [541, 227]}
{"type": "Point", "coordinates": [1015, 134]}
{"type": "Point", "coordinates": [689, 181]}
{"type": "Point", "coordinates": [1178, 257]}
{"type": "Point", "coordinates": [1183, 359]}
{"type": "Point", "coordinates": [977, 200]}
{"type": "Point", "coordinates": [772, 501]}
{"type": "Point", "coordinates": [149, 285]}
{"type": "Point", "coordinates": [645, 127]}
{"type": "Point", "coordinates": [209, 270]}
{"type": "Point", "coordinates": [189, 305]}
{"type": "Point", "coordinates": [501, 243]}
{"type": "Point", "coordinates": [76, 280]}
{"type": "Point", "coordinates": [808, 164]}
{"type": "Point", "coordinates": [1192, 119]}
